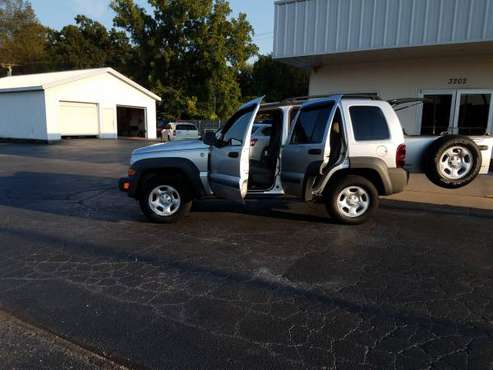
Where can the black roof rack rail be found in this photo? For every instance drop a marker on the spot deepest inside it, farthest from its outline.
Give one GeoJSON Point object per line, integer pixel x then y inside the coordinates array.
{"type": "Point", "coordinates": [371, 96]}
{"type": "Point", "coordinates": [302, 99]}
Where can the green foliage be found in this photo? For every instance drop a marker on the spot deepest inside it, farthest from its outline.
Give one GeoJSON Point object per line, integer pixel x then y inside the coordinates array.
{"type": "Point", "coordinates": [193, 54]}
{"type": "Point", "coordinates": [190, 52]}
{"type": "Point", "coordinates": [88, 44]}
{"type": "Point", "coordinates": [22, 37]}
{"type": "Point", "coordinates": [274, 79]}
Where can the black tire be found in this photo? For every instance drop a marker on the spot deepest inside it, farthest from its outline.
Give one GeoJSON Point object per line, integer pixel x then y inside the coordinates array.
{"type": "Point", "coordinates": [437, 161]}
{"type": "Point", "coordinates": [334, 194]}
{"type": "Point", "coordinates": [177, 183]}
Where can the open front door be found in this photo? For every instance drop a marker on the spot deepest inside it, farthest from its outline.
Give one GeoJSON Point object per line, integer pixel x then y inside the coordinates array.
{"type": "Point", "coordinates": [230, 155]}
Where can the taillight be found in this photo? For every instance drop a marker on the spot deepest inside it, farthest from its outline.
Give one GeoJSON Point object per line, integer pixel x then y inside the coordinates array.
{"type": "Point", "coordinates": [400, 157]}
{"type": "Point", "coordinates": [253, 142]}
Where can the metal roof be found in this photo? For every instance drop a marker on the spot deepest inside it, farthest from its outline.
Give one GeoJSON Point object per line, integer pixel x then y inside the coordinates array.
{"type": "Point", "coordinates": [44, 81]}
{"type": "Point", "coordinates": [308, 28]}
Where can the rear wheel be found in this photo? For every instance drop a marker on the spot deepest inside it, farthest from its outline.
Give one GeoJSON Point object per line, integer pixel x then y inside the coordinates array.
{"type": "Point", "coordinates": [165, 199]}
{"type": "Point", "coordinates": [352, 200]}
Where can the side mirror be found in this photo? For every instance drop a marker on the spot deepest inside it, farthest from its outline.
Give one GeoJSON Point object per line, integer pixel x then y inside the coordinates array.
{"type": "Point", "coordinates": [209, 138]}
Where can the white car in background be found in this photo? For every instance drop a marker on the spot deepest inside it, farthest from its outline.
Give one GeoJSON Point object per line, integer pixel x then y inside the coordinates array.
{"type": "Point", "coordinates": [180, 131]}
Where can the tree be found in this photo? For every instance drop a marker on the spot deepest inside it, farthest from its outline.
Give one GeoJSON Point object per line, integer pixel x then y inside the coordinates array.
{"type": "Point", "coordinates": [88, 44]}
{"type": "Point", "coordinates": [190, 52]}
{"type": "Point", "coordinates": [22, 37]}
{"type": "Point", "coordinates": [274, 79]}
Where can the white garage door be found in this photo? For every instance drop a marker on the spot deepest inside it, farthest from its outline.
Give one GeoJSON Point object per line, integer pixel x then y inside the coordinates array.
{"type": "Point", "coordinates": [78, 119]}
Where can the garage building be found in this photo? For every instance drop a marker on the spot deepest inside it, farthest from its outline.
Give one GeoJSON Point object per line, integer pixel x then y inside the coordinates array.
{"type": "Point", "coordinates": [438, 49]}
{"type": "Point", "coordinates": [85, 103]}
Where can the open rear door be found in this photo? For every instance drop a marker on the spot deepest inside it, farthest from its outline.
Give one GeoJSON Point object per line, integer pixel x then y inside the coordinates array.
{"type": "Point", "coordinates": [230, 155]}
{"type": "Point", "coordinates": [308, 148]}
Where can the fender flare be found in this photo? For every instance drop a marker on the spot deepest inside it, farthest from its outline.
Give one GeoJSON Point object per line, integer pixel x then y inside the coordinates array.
{"type": "Point", "coordinates": [181, 166]}
{"type": "Point", "coordinates": [377, 165]}
{"type": "Point", "coordinates": [372, 168]}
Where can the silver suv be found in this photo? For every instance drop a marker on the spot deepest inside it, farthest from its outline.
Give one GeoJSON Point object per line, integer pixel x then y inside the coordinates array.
{"type": "Point", "coordinates": [343, 150]}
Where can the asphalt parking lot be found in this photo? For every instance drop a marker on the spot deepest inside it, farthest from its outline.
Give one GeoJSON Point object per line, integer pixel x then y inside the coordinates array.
{"type": "Point", "coordinates": [272, 284]}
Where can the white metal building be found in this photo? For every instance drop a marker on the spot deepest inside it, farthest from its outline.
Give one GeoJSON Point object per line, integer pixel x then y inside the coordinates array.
{"type": "Point", "coordinates": [94, 102]}
{"type": "Point", "coordinates": [440, 49]}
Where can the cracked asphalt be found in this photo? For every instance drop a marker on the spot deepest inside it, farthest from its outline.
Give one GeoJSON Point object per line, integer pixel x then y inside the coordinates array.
{"type": "Point", "coordinates": [273, 284]}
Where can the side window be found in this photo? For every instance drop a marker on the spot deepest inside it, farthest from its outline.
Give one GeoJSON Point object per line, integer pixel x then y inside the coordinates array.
{"type": "Point", "coordinates": [311, 124]}
{"type": "Point", "coordinates": [369, 123]}
{"type": "Point", "coordinates": [235, 129]}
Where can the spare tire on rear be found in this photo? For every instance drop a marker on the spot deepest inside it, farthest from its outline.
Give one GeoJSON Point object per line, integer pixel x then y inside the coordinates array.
{"type": "Point", "coordinates": [452, 161]}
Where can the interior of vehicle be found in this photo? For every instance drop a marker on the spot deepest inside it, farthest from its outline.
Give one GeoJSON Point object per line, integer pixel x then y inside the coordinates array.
{"type": "Point", "coordinates": [263, 165]}
{"type": "Point", "coordinates": [336, 140]}
{"type": "Point", "coordinates": [265, 149]}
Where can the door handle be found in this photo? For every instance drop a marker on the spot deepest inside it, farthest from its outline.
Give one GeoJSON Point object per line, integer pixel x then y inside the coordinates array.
{"type": "Point", "coordinates": [233, 154]}
{"type": "Point", "coordinates": [315, 151]}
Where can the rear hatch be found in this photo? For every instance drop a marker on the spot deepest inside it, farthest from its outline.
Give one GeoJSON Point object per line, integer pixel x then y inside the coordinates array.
{"type": "Point", "coordinates": [187, 131]}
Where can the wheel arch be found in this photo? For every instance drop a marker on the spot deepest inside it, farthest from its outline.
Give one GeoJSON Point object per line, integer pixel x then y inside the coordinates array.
{"type": "Point", "coordinates": [372, 168]}
{"type": "Point", "coordinates": [370, 174]}
{"type": "Point", "coordinates": [147, 168]}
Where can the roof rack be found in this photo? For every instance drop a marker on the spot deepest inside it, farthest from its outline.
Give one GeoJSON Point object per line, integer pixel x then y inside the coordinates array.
{"type": "Point", "coordinates": [302, 99]}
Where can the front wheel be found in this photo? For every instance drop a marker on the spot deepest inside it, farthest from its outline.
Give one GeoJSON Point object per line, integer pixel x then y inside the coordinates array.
{"type": "Point", "coordinates": [352, 200]}
{"type": "Point", "coordinates": [165, 199]}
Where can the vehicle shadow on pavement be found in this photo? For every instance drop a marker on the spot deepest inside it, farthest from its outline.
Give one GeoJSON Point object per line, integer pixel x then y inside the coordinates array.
{"type": "Point", "coordinates": [282, 209]}
{"type": "Point", "coordinates": [95, 197]}
{"type": "Point", "coordinates": [437, 209]}
{"type": "Point", "coordinates": [82, 196]}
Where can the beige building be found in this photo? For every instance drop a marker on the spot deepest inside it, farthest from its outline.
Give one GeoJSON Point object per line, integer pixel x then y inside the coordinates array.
{"type": "Point", "coordinates": [438, 49]}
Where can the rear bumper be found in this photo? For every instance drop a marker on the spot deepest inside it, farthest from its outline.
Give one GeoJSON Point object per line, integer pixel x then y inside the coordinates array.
{"type": "Point", "coordinates": [399, 178]}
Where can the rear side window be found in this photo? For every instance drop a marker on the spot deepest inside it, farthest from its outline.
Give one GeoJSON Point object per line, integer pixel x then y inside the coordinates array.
{"type": "Point", "coordinates": [369, 123]}
{"type": "Point", "coordinates": [311, 123]}
{"type": "Point", "coordinates": [186, 127]}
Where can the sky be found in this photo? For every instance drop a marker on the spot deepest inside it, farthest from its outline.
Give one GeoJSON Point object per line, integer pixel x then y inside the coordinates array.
{"type": "Point", "coordinates": [58, 13]}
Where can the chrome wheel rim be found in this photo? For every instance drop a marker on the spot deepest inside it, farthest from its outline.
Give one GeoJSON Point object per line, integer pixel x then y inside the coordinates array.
{"type": "Point", "coordinates": [353, 201]}
{"type": "Point", "coordinates": [456, 163]}
{"type": "Point", "coordinates": [164, 200]}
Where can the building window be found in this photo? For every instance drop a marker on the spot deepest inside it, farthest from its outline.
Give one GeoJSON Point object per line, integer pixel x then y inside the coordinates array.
{"type": "Point", "coordinates": [369, 123]}
{"type": "Point", "coordinates": [474, 113]}
{"type": "Point", "coordinates": [437, 111]}
{"type": "Point", "coordinates": [311, 124]}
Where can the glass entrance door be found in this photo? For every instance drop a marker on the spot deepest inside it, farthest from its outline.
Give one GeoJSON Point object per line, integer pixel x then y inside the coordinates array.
{"type": "Point", "coordinates": [474, 112]}
{"type": "Point", "coordinates": [437, 114]}
{"type": "Point", "coordinates": [463, 112]}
